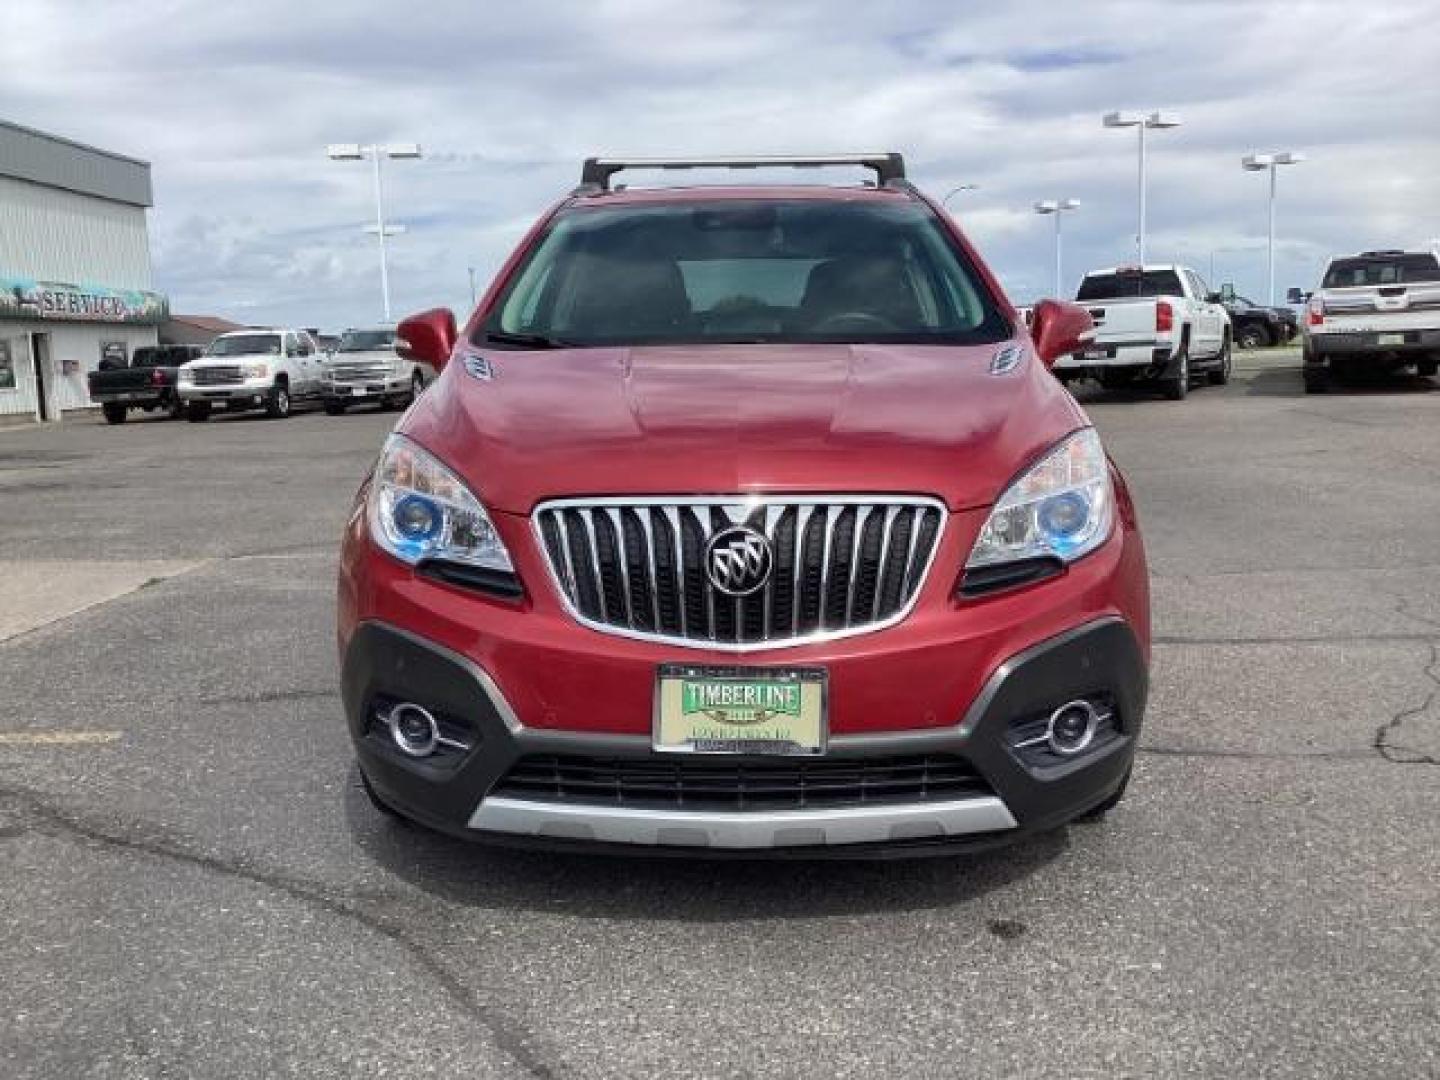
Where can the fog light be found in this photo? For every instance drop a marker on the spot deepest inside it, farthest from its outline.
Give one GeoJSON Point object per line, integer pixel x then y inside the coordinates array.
{"type": "Point", "coordinates": [414, 730]}
{"type": "Point", "coordinates": [1072, 727]}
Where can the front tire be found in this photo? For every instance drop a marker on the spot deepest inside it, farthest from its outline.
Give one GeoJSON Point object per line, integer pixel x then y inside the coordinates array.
{"type": "Point", "coordinates": [417, 387]}
{"type": "Point", "coordinates": [277, 405]}
{"type": "Point", "coordinates": [197, 412]}
{"type": "Point", "coordinates": [1177, 386]}
{"type": "Point", "coordinates": [114, 412]}
{"type": "Point", "coordinates": [1252, 337]}
{"type": "Point", "coordinates": [334, 407]}
{"type": "Point", "coordinates": [1219, 375]}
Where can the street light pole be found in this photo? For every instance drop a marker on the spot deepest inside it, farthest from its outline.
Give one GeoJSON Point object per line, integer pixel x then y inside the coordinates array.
{"type": "Point", "coordinates": [1142, 122]}
{"type": "Point", "coordinates": [376, 151]}
{"type": "Point", "coordinates": [1270, 163]}
{"type": "Point", "coordinates": [956, 191]}
{"type": "Point", "coordinates": [1058, 207]}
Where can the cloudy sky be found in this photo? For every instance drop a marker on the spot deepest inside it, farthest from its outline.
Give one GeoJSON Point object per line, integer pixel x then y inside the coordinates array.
{"type": "Point", "coordinates": [234, 102]}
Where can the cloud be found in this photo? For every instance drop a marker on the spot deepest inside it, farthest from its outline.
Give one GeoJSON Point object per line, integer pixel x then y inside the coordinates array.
{"type": "Point", "coordinates": [234, 103]}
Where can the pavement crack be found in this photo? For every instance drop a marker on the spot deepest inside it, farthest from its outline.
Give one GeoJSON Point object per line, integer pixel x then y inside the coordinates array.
{"type": "Point", "coordinates": [1384, 742]}
{"type": "Point", "coordinates": [1257, 755]}
{"type": "Point", "coordinates": [260, 697]}
{"type": "Point", "coordinates": [508, 1036]}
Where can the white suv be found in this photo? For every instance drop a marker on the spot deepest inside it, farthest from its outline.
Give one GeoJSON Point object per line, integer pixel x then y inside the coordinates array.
{"type": "Point", "coordinates": [1378, 311]}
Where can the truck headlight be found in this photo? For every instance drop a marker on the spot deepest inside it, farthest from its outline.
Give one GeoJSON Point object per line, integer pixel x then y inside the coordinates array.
{"type": "Point", "coordinates": [185, 375]}
{"type": "Point", "coordinates": [254, 371]}
{"type": "Point", "coordinates": [1062, 507]}
{"type": "Point", "coordinates": [421, 510]}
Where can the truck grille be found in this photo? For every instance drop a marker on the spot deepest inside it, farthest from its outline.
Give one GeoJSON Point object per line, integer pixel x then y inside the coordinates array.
{"type": "Point", "coordinates": [217, 376]}
{"type": "Point", "coordinates": [832, 565]}
{"type": "Point", "coordinates": [690, 784]}
{"type": "Point", "coordinates": [360, 372]}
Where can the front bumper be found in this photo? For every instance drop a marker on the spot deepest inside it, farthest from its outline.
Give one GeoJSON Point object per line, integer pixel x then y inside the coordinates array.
{"type": "Point", "coordinates": [249, 392]}
{"type": "Point", "coordinates": [365, 389]}
{"type": "Point", "coordinates": [1099, 658]}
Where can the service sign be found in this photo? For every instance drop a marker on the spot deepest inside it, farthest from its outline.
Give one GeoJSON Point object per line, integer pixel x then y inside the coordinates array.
{"type": "Point", "coordinates": [27, 298]}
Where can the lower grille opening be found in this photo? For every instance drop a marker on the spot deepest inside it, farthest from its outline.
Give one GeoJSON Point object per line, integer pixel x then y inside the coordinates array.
{"type": "Point", "coordinates": [741, 785]}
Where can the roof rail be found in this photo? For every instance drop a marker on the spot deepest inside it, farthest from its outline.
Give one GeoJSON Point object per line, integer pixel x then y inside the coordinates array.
{"type": "Point", "coordinates": [596, 173]}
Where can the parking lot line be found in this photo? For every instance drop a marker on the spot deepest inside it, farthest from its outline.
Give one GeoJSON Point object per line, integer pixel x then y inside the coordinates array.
{"type": "Point", "coordinates": [58, 738]}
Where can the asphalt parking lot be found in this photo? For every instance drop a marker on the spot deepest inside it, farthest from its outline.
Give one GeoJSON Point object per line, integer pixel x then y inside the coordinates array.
{"type": "Point", "coordinates": [193, 884]}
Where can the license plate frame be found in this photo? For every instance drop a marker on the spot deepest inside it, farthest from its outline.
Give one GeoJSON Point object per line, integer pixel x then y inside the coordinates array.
{"type": "Point", "coordinates": [676, 715]}
{"type": "Point", "coordinates": [358, 391]}
{"type": "Point", "coordinates": [1390, 339]}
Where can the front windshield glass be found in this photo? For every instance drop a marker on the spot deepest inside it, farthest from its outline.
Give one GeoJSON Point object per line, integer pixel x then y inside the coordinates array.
{"type": "Point", "coordinates": [245, 345]}
{"type": "Point", "coordinates": [366, 340]}
{"type": "Point", "coordinates": [741, 271]}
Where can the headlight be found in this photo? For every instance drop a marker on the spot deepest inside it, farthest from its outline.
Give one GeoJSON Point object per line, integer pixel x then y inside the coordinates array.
{"type": "Point", "coordinates": [1061, 508]}
{"type": "Point", "coordinates": [420, 510]}
{"type": "Point", "coordinates": [254, 371]}
{"type": "Point", "coordinates": [186, 375]}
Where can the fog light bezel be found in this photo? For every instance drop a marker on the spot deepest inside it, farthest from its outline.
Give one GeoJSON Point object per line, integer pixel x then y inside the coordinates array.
{"type": "Point", "coordinates": [1092, 725]}
{"type": "Point", "coordinates": [406, 746]}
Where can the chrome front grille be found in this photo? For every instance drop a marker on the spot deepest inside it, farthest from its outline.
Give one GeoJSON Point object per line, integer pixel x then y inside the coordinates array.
{"type": "Point", "coordinates": [359, 371]}
{"type": "Point", "coordinates": [838, 565]}
{"type": "Point", "coordinates": [217, 376]}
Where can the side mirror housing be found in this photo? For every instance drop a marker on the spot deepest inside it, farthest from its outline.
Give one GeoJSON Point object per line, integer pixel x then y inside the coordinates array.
{"type": "Point", "coordinates": [1296, 296]}
{"type": "Point", "coordinates": [1227, 292]}
{"type": "Point", "coordinates": [1059, 328]}
{"type": "Point", "coordinates": [428, 337]}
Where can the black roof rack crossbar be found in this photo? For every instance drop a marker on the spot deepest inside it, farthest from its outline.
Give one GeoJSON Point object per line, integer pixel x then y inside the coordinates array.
{"type": "Point", "coordinates": [597, 171]}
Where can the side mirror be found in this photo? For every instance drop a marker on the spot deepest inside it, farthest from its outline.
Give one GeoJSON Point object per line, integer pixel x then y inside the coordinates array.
{"type": "Point", "coordinates": [1059, 328]}
{"type": "Point", "coordinates": [428, 337]}
{"type": "Point", "coordinates": [1296, 296]}
{"type": "Point", "coordinates": [1217, 298]}
{"type": "Point", "coordinates": [1227, 292]}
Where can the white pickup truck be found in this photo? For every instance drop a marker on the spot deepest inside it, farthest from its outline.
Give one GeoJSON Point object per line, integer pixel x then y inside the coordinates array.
{"type": "Point", "coordinates": [1161, 325]}
{"type": "Point", "coordinates": [1378, 311]}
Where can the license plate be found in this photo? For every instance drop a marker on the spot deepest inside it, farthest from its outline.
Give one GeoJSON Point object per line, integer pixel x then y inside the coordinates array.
{"type": "Point", "coordinates": [357, 391]}
{"type": "Point", "coordinates": [740, 711]}
{"type": "Point", "coordinates": [1390, 339]}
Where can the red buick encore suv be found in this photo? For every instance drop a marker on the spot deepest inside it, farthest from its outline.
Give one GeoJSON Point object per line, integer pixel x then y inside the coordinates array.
{"type": "Point", "coordinates": [745, 520]}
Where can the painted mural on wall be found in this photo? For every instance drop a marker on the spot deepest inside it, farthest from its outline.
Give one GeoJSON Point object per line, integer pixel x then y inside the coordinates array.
{"type": "Point", "coordinates": [26, 298]}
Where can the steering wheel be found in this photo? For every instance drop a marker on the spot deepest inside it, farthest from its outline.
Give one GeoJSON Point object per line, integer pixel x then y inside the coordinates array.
{"type": "Point", "coordinates": [855, 320]}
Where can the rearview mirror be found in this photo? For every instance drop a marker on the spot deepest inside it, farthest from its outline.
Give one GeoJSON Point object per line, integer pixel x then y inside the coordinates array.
{"type": "Point", "coordinates": [1059, 328]}
{"type": "Point", "coordinates": [428, 337]}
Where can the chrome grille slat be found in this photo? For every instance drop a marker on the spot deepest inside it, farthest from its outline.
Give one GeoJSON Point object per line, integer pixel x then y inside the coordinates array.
{"type": "Point", "coordinates": [592, 548]}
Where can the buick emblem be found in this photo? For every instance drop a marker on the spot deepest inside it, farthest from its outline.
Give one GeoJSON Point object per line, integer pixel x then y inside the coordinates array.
{"type": "Point", "coordinates": [738, 560]}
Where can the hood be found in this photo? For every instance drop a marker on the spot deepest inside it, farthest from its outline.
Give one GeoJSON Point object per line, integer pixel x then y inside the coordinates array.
{"type": "Point", "coordinates": [726, 419]}
{"type": "Point", "coordinates": [363, 356]}
{"type": "Point", "coordinates": [236, 358]}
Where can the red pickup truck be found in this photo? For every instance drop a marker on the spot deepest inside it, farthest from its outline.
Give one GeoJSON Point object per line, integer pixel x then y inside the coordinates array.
{"type": "Point", "coordinates": [745, 520]}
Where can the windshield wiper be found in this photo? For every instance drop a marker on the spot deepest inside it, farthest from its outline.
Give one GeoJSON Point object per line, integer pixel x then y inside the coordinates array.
{"type": "Point", "coordinates": [527, 341]}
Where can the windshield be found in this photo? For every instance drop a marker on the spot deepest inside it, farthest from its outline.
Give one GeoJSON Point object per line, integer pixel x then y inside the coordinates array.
{"type": "Point", "coordinates": [245, 345]}
{"type": "Point", "coordinates": [366, 340]}
{"type": "Point", "coordinates": [1381, 270]}
{"type": "Point", "coordinates": [1125, 283]}
{"type": "Point", "coordinates": [746, 271]}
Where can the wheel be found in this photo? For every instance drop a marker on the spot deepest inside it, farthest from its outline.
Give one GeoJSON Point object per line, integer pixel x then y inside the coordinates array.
{"type": "Point", "coordinates": [176, 409]}
{"type": "Point", "coordinates": [417, 386]}
{"type": "Point", "coordinates": [334, 407]}
{"type": "Point", "coordinates": [1097, 813]}
{"type": "Point", "coordinates": [114, 412]}
{"type": "Point", "coordinates": [197, 412]}
{"type": "Point", "coordinates": [1219, 375]}
{"type": "Point", "coordinates": [277, 405]}
{"type": "Point", "coordinates": [1251, 337]}
{"type": "Point", "coordinates": [1177, 386]}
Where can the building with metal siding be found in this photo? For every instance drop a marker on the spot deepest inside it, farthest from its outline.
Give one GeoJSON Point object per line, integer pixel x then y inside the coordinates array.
{"type": "Point", "coordinates": [75, 279]}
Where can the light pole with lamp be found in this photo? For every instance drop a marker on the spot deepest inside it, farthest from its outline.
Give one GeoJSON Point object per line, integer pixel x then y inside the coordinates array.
{"type": "Point", "coordinates": [1058, 207]}
{"type": "Point", "coordinates": [1142, 122]}
{"type": "Point", "coordinates": [357, 152]}
{"type": "Point", "coordinates": [1270, 163]}
{"type": "Point", "coordinates": [956, 191]}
